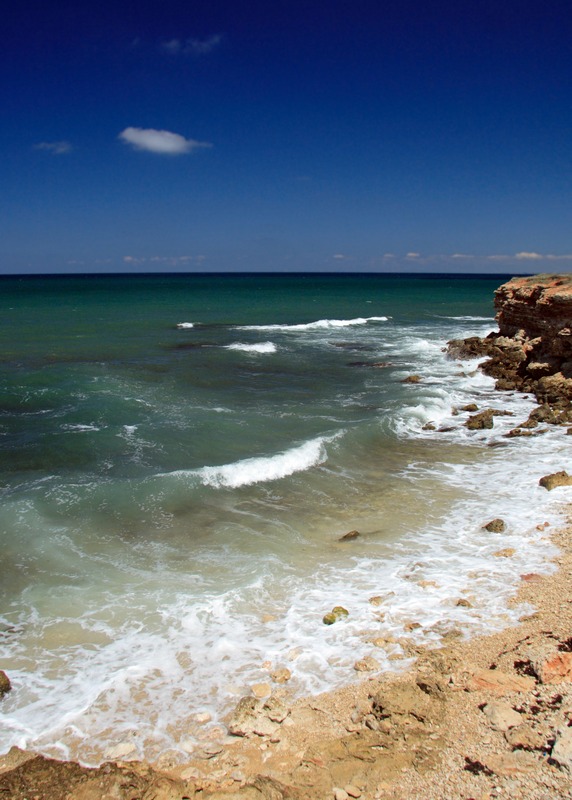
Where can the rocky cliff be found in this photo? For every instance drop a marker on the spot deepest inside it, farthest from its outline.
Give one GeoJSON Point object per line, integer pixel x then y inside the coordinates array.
{"type": "Point", "coordinates": [532, 351]}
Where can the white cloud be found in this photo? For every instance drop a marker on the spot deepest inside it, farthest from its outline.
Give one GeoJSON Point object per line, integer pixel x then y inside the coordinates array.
{"type": "Point", "coordinates": [528, 256]}
{"type": "Point", "coordinates": [57, 148]}
{"type": "Point", "coordinates": [462, 255]}
{"type": "Point", "coordinates": [191, 46]}
{"type": "Point", "coordinates": [163, 142]}
{"type": "Point", "coordinates": [413, 255]}
{"type": "Point", "coordinates": [339, 256]}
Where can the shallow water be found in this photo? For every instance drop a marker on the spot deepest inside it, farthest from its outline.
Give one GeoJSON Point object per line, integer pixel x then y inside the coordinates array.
{"type": "Point", "coordinates": [181, 455]}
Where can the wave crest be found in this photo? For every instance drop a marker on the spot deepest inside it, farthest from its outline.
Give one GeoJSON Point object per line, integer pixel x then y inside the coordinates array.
{"type": "Point", "coordinates": [261, 347]}
{"type": "Point", "coordinates": [321, 324]}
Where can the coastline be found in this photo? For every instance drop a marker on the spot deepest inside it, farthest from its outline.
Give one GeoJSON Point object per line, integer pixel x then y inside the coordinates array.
{"type": "Point", "coordinates": [470, 718]}
{"type": "Point", "coordinates": [437, 731]}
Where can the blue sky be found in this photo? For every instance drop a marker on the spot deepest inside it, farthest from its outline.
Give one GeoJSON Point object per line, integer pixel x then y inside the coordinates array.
{"type": "Point", "coordinates": [286, 135]}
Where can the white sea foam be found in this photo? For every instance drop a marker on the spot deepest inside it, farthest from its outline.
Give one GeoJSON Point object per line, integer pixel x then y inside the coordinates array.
{"type": "Point", "coordinates": [262, 347]}
{"type": "Point", "coordinates": [249, 471]}
{"type": "Point", "coordinates": [185, 324]}
{"type": "Point", "coordinates": [321, 324]}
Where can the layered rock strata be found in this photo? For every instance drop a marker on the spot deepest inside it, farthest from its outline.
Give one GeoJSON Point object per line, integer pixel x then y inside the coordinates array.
{"type": "Point", "coordinates": [532, 351]}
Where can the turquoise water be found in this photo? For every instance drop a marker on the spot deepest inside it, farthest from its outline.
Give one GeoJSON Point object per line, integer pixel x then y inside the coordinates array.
{"type": "Point", "coordinates": [180, 455]}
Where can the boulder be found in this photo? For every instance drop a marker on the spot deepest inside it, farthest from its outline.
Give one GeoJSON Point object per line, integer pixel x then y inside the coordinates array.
{"type": "Point", "coordinates": [480, 421]}
{"type": "Point", "coordinates": [495, 526]}
{"type": "Point", "coordinates": [412, 379]}
{"type": "Point", "coordinates": [498, 682]}
{"type": "Point", "coordinates": [367, 664]}
{"type": "Point", "coordinates": [337, 612]}
{"type": "Point", "coordinates": [5, 685]}
{"type": "Point", "coordinates": [556, 479]}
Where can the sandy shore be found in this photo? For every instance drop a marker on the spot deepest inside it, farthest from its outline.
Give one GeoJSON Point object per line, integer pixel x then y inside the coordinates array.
{"type": "Point", "coordinates": [483, 718]}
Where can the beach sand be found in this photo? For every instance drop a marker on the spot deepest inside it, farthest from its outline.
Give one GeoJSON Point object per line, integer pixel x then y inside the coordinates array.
{"type": "Point", "coordinates": [480, 718]}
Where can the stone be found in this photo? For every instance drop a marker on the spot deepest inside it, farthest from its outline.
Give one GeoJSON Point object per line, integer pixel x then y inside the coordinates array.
{"type": "Point", "coordinates": [472, 407]}
{"type": "Point", "coordinates": [496, 525]}
{"type": "Point", "coordinates": [367, 664]}
{"type": "Point", "coordinates": [412, 379]}
{"type": "Point", "coordinates": [275, 709]}
{"type": "Point", "coordinates": [5, 685]}
{"type": "Point", "coordinates": [120, 751]}
{"type": "Point", "coordinates": [352, 791]}
{"type": "Point", "coordinates": [556, 669]}
{"type": "Point", "coordinates": [348, 537]}
{"type": "Point", "coordinates": [525, 737]}
{"type": "Point", "coordinates": [562, 750]}
{"type": "Point", "coordinates": [430, 427]}
{"type": "Point", "coordinates": [340, 794]}
{"type": "Point", "coordinates": [498, 682]}
{"type": "Point", "coordinates": [463, 603]}
{"type": "Point", "coordinates": [555, 480]}
{"type": "Point", "coordinates": [337, 612]}
{"type": "Point", "coordinates": [261, 690]}
{"type": "Point", "coordinates": [506, 552]}
{"type": "Point", "coordinates": [203, 717]}
{"type": "Point", "coordinates": [281, 675]}
{"type": "Point", "coordinates": [244, 716]}
{"type": "Point", "coordinates": [501, 716]}
{"type": "Point", "coordinates": [508, 764]}
{"type": "Point", "coordinates": [485, 419]}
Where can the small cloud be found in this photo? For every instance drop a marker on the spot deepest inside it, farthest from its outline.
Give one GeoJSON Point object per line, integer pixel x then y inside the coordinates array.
{"type": "Point", "coordinates": [389, 255]}
{"type": "Point", "coordinates": [191, 46]}
{"type": "Point", "coordinates": [413, 255]}
{"type": "Point", "coordinates": [56, 148]}
{"type": "Point", "coordinates": [529, 256]}
{"type": "Point", "coordinates": [462, 255]}
{"type": "Point", "coordinates": [339, 256]}
{"type": "Point", "coordinates": [163, 142]}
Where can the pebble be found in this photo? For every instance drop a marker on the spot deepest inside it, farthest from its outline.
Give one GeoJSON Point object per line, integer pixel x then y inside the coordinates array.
{"type": "Point", "coordinates": [203, 717]}
{"type": "Point", "coordinates": [352, 791]}
{"type": "Point", "coordinates": [340, 794]}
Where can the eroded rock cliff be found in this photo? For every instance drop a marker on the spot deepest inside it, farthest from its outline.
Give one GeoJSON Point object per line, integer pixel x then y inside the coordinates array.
{"type": "Point", "coordinates": [532, 351]}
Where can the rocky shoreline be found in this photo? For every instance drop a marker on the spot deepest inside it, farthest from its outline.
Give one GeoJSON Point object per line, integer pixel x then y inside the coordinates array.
{"type": "Point", "coordinates": [485, 718]}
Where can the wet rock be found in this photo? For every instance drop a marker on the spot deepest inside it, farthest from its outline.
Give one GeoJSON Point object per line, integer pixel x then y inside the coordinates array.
{"type": "Point", "coordinates": [562, 750]}
{"type": "Point", "coordinates": [463, 603]}
{"type": "Point", "coordinates": [555, 479]}
{"type": "Point", "coordinates": [501, 716]}
{"type": "Point", "coordinates": [121, 751]}
{"type": "Point", "coordinates": [244, 717]}
{"type": "Point", "coordinates": [281, 675]}
{"type": "Point", "coordinates": [495, 526]}
{"type": "Point", "coordinates": [430, 427]}
{"type": "Point", "coordinates": [506, 552]}
{"type": "Point", "coordinates": [261, 690]}
{"type": "Point", "coordinates": [5, 685]}
{"type": "Point", "coordinates": [337, 613]}
{"type": "Point", "coordinates": [471, 407]}
{"type": "Point", "coordinates": [350, 536]}
{"type": "Point", "coordinates": [367, 664]}
{"type": "Point", "coordinates": [412, 379]}
{"type": "Point", "coordinates": [481, 421]}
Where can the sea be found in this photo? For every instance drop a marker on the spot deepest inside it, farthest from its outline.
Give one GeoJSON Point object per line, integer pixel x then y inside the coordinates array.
{"type": "Point", "coordinates": [181, 455]}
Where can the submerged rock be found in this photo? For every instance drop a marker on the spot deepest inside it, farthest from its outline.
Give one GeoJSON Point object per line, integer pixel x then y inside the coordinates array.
{"type": "Point", "coordinates": [347, 537]}
{"type": "Point", "coordinates": [412, 379]}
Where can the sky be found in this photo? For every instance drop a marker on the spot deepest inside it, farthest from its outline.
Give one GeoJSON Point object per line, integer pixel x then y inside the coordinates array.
{"type": "Point", "coordinates": [348, 135]}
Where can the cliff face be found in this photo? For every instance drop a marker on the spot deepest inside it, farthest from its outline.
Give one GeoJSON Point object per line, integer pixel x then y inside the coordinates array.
{"type": "Point", "coordinates": [532, 352]}
{"type": "Point", "coordinates": [539, 305]}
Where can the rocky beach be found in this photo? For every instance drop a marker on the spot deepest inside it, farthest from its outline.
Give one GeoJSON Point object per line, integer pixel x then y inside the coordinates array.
{"type": "Point", "coordinates": [480, 718]}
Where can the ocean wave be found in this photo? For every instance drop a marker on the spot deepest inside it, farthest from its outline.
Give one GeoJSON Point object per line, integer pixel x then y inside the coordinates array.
{"type": "Point", "coordinates": [262, 347]}
{"type": "Point", "coordinates": [467, 318]}
{"type": "Point", "coordinates": [185, 324]}
{"type": "Point", "coordinates": [264, 468]}
{"type": "Point", "coordinates": [321, 324]}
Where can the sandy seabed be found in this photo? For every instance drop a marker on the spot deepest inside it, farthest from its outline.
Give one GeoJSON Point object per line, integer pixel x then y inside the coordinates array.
{"type": "Point", "coordinates": [481, 718]}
